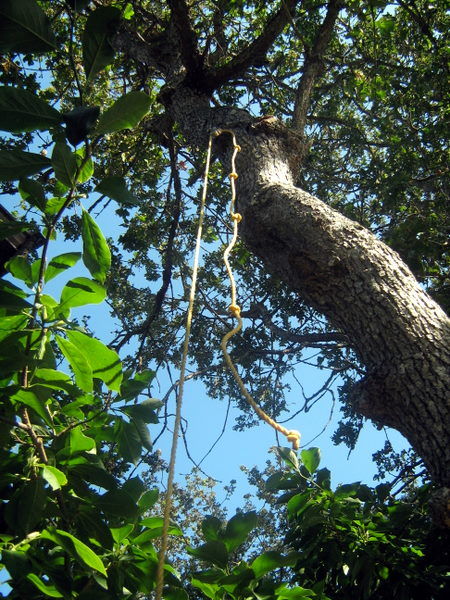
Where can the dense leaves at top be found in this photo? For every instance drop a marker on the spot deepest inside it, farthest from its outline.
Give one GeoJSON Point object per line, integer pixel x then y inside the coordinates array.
{"type": "Point", "coordinates": [84, 131]}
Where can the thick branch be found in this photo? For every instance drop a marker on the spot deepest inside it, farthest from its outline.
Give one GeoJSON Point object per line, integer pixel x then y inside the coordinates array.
{"type": "Point", "coordinates": [254, 52]}
{"type": "Point", "coordinates": [313, 65]}
{"type": "Point", "coordinates": [190, 55]}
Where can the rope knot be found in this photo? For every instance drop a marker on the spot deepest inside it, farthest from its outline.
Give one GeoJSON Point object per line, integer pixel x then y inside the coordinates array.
{"type": "Point", "coordinates": [293, 436]}
{"type": "Point", "coordinates": [236, 217]}
{"type": "Point", "coordinates": [235, 310]}
{"type": "Point", "coordinates": [233, 175]}
{"type": "Point", "coordinates": [237, 147]}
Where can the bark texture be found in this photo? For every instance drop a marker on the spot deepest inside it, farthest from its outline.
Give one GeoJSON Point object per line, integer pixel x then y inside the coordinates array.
{"type": "Point", "coordinates": [341, 269]}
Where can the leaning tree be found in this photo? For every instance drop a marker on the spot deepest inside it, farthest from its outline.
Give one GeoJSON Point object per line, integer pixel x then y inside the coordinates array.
{"type": "Point", "coordinates": [337, 266]}
{"type": "Point", "coordinates": [340, 98]}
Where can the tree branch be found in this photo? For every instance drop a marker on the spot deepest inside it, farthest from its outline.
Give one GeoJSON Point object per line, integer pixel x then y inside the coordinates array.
{"type": "Point", "coordinates": [313, 65]}
{"type": "Point", "coordinates": [254, 52]}
{"type": "Point", "coordinates": [188, 41]}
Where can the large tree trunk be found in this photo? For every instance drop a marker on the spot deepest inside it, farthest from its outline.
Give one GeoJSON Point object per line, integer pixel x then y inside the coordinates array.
{"type": "Point", "coordinates": [341, 269]}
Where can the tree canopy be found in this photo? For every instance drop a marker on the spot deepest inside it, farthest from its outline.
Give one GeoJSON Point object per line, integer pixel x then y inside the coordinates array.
{"type": "Point", "coordinates": [339, 109]}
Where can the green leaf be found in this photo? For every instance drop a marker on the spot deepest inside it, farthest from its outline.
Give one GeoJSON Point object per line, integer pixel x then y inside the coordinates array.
{"type": "Point", "coordinates": [211, 528]}
{"type": "Point", "coordinates": [32, 192]}
{"type": "Point", "coordinates": [97, 51]}
{"type": "Point", "coordinates": [94, 474]}
{"type": "Point", "coordinates": [20, 267]}
{"type": "Point", "coordinates": [293, 593]}
{"type": "Point", "coordinates": [47, 590]}
{"type": "Point", "coordinates": [22, 111]}
{"type": "Point", "coordinates": [78, 442]}
{"type": "Point", "coordinates": [13, 323]}
{"type": "Point", "coordinates": [311, 459]}
{"type": "Point", "coordinates": [26, 507]}
{"type": "Point", "coordinates": [24, 27]}
{"type": "Point", "coordinates": [131, 388]}
{"type": "Point", "coordinates": [129, 442]}
{"type": "Point", "coordinates": [118, 503]}
{"type": "Point", "coordinates": [214, 552]}
{"type": "Point", "coordinates": [271, 560]}
{"type": "Point", "coordinates": [75, 547]}
{"type": "Point", "coordinates": [15, 164]}
{"type": "Point", "coordinates": [125, 113]}
{"type": "Point", "coordinates": [148, 499]}
{"type": "Point", "coordinates": [143, 432]}
{"type": "Point", "coordinates": [289, 457]}
{"type": "Point", "coordinates": [144, 410]}
{"type": "Point", "coordinates": [115, 187]}
{"type": "Point", "coordinates": [61, 263]}
{"type": "Point", "coordinates": [238, 528]}
{"type": "Point", "coordinates": [79, 292]}
{"type": "Point", "coordinates": [85, 165]}
{"type": "Point", "coordinates": [53, 476]}
{"type": "Point", "coordinates": [105, 363]}
{"type": "Point", "coordinates": [56, 380]}
{"type": "Point", "coordinates": [121, 533]}
{"type": "Point", "coordinates": [96, 253]}
{"type": "Point", "coordinates": [64, 164]}
{"type": "Point", "coordinates": [32, 400]}
{"type": "Point", "coordinates": [79, 122]}
{"type": "Point", "coordinates": [8, 229]}
{"type": "Point", "coordinates": [78, 363]}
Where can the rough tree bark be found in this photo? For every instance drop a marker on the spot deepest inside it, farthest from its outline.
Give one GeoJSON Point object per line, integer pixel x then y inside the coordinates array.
{"type": "Point", "coordinates": [398, 332]}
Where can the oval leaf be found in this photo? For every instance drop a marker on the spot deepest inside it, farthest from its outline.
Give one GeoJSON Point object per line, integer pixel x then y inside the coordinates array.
{"type": "Point", "coordinates": [125, 113]}
{"type": "Point", "coordinates": [79, 292]}
{"type": "Point", "coordinates": [78, 363]}
{"type": "Point", "coordinates": [65, 164]}
{"type": "Point", "coordinates": [15, 164]}
{"type": "Point", "coordinates": [97, 51]}
{"type": "Point", "coordinates": [22, 111]}
{"type": "Point", "coordinates": [60, 263]}
{"type": "Point", "coordinates": [311, 458]}
{"type": "Point", "coordinates": [105, 363]}
{"type": "Point", "coordinates": [54, 477]}
{"type": "Point", "coordinates": [115, 187]}
{"type": "Point", "coordinates": [96, 253]}
{"type": "Point", "coordinates": [75, 547]}
{"type": "Point", "coordinates": [24, 27]}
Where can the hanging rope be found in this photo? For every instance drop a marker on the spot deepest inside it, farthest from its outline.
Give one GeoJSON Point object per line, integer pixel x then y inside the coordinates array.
{"type": "Point", "coordinates": [292, 435]}
{"type": "Point", "coordinates": [176, 428]}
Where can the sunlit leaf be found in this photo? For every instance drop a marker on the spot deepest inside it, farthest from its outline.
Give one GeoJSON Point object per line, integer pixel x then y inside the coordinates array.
{"type": "Point", "coordinates": [75, 547]}
{"type": "Point", "coordinates": [81, 291]}
{"type": "Point", "coordinates": [125, 113]}
{"type": "Point", "coordinates": [104, 362]}
{"type": "Point", "coordinates": [61, 263]}
{"type": "Point", "coordinates": [54, 477]}
{"type": "Point", "coordinates": [96, 253]}
{"type": "Point", "coordinates": [47, 590]}
{"type": "Point", "coordinates": [78, 363]}
{"type": "Point", "coordinates": [311, 458]}
{"type": "Point", "coordinates": [64, 164]}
